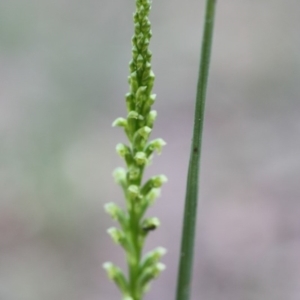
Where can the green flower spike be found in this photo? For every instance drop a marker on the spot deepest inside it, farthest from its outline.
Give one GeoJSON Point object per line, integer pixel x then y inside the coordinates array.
{"type": "Point", "coordinates": [137, 153]}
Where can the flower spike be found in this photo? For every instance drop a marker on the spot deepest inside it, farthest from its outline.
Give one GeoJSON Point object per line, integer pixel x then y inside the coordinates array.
{"type": "Point", "coordinates": [137, 154]}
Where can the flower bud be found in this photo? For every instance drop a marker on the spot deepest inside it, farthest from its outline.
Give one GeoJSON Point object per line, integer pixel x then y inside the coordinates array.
{"type": "Point", "coordinates": [141, 158]}
{"type": "Point", "coordinates": [116, 234]}
{"type": "Point", "coordinates": [154, 182]}
{"type": "Point", "coordinates": [147, 70]}
{"type": "Point", "coordinates": [142, 11]}
{"type": "Point", "coordinates": [153, 195]}
{"type": "Point", "coordinates": [121, 122]}
{"type": "Point", "coordinates": [155, 145]}
{"type": "Point", "coordinates": [151, 273]}
{"type": "Point", "coordinates": [152, 99]}
{"type": "Point", "coordinates": [150, 224]}
{"type": "Point", "coordinates": [129, 101]}
{"type": "Point", "coordinates": [135, 53]}
{"type": "Point", "coordinates": [122, 150]}
{"type": "Point", "coordinates": [134, 115]}
{"type": "Point", "coordinates": [139, 61]}
{"type": "Point", "coordinates": [145, 132]}
{"type": "Point", "coordinates": [135, 17]}
{"type": "Point", "coordinates": [137, 28]}
{"type": "Point", "coordinates": [133, 82]}
{"type": "Point", "coordinates": [133, 192]}
{"type": "Point", "coordinates": [119, 237]}
{"type": "Point", "coordinates": [132, 66]}
{"type": "Point", "coordinates": [151, 79]}
{"type": "Point", "coordinates": [115, 274]}
{"type": "Point", "coordinates": [116, 213]}
{"type": "Point", "coordinates": [140, 94]}
{"type": "Point", "coordinates": [158, 269]}
{"type": "Point", "coordinates": [134, 173]}
{"type": "Point", "coordinates": [152, 258]}
{"type": "Point", "coordinates": [140, 138]}
{"type": "Point", "coordinates": [146, 43]}
{"type": "Point", "coordinates": [147, 106]}
{"type": "Point", "coordinates": [112, 209]}
{"type": "Point", "coordinates": [151, 118]}
{"type": "Point", "coordinates": [159, 180]}
{"type": "Point", "coordinates": [119, 175]}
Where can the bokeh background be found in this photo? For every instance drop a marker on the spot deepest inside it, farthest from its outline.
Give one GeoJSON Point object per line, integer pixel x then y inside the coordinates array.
{"type": "Point", "coordinates": [63, 76]}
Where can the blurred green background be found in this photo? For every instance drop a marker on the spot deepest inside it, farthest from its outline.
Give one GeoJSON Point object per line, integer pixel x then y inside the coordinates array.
{"type": "Point", "coordinates": [63, 76]}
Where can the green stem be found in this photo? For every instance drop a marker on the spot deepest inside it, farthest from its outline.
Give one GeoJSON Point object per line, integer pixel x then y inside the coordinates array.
{"type": "Point", "coordinates": [134, 258]}
{"type": "Point", "coordinates": [191, 199]}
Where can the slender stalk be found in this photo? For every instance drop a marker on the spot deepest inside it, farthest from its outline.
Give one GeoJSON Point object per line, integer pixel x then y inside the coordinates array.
{"type": "Point", "coordinates": [191, 199]}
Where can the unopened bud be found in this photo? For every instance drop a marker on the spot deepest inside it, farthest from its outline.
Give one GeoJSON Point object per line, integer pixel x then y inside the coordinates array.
{"type": "Point", "coordinates": [141, 158]}
{"type": "Point", "coordinates": [155, 145]}
{"type": "Point", "coordinates": [121, 122]}
{"type": "Point", "coordinates": [159, 180]}
{"type": "Point", "coordinates": [154, 182]}
{"type": "Point", "coordinates": [151, 118]}
{"type": "Point", "coordinates": [140, 61]}
{"type": "Point", "coordinates": [119, 175]}
{"type": "Point", "coordinates": [134, 115]}
{"type": "Point", "coordinates": [133, 173]}
{"type": "Point", "coordinates": [133, 191]}
{"type": "Point", "coordinates": [116, 234]}
{"type": "Point", "coordinates": [150, 224]}
{"type": "Point", "coordinates": [145, 132]}
{"type": "Point", "coordinates": [133, 82]}
{"type": "Point", "coordinates": [140, 94]}
{"type": "Point", "coordinates": [151, 273]}
{"type": "Point", "coordinates": [153, 195]}
{"type": "Point", "coordinates": [122, 150]}
{"type": "Point", "coordinates": [152, 258]}
{"type": "Point", "coordinates": [116, 274]}
{"type": "Point", "coordinates": [151, 79]}
{"type": "Point", "coordinates": [116, 213]}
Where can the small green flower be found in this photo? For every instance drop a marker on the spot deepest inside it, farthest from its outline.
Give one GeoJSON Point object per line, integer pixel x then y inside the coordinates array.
{"type": "Point", "coordinates": [137, 153]}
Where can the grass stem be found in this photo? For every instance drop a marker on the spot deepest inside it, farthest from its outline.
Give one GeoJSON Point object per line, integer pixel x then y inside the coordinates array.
{"type": "Point", "coordinates": [191, 199]}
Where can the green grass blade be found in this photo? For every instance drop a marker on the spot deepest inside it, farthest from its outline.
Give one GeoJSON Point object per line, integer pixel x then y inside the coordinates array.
{"type": "Point", "coordinates": [190, 211]}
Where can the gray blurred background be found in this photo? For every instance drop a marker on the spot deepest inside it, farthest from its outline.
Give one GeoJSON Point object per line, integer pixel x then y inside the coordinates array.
{"type": "Point", "coordinates": [63, 76]}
